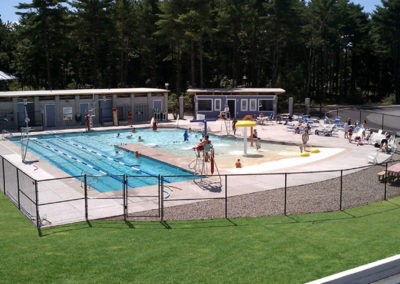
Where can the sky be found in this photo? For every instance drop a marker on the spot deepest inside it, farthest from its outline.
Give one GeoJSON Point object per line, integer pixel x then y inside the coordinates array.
{"type": "Point", "coordinates": [7, 10]}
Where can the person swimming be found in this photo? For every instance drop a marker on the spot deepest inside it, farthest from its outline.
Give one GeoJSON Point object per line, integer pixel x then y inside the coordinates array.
{"type": "Point", "coordinates": [186, 136]}
{"type": "Point", "coordinates": [118, 134]}
{"type": "Point", "coordinates": [140, 139]}
{"type": "Point", "coordinates": [129, 136]}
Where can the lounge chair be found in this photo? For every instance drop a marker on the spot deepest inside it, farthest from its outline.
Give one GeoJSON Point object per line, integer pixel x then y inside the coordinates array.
{"type": "Point", "coordinates": [327, 131]}
{"type": "Point", "coordinates": [373, 157]}
{"type": "Point", "coordinates": [377, 137]}
{"type": "Point", "coordinates": [358, 135]}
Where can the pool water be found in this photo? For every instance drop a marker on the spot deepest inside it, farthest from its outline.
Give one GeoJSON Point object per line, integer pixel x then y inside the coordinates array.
{"type": "Point", "coordinates": [83, 153]}
{"type": "Point", "coordinates": [94, 153]}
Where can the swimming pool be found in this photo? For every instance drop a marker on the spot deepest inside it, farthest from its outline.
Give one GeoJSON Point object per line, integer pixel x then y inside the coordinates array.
{"type": "Point", "coordinates": [85, 153]}
{"type": "Point", "coordinates": [227, 149]}
{"type": "Point", "coordinates": [94, 153]}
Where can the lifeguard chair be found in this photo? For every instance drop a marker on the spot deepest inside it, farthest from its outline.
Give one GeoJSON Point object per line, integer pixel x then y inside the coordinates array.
{"type": "Point", "coordinates": [200, 164]}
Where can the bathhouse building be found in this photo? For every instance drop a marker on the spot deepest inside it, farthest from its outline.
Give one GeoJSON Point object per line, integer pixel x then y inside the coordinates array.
{"type": "Point", "coordinates": [238, 101]}
{"type": "Point", "coordinates": [62, 108]}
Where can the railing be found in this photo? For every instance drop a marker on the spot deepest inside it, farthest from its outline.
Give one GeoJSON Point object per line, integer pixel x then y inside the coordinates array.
{"type": "Point", "coordinates": [53, 202]}
{"type": "Point", "coordinates": [375, 120]}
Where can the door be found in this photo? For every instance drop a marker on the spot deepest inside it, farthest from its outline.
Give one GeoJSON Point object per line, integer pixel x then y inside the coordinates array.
{"type": "Point", "coordinates": [50, 114]}
{"type": "Point", "coordinates": [157, 106]}
{"type": "Point", "coordinates": [84, 109]}
{"type": "Point", "coordinates": [29, 111]}
{"type": "Point", "coordinates": [106, 111]}
{"type": "Point", "coordinates": [232, 107]}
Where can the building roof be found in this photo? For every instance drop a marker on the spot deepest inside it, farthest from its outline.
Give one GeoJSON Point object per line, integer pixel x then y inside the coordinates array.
{"type": "Point", "coordinates": [237, 91]}
{"type": "Point", "coordinates": [82, 92]}
{"type": "Point", "coordinates": [6, 77]}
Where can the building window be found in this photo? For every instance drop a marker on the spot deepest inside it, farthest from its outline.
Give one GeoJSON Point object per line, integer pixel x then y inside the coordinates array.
{"type": "Point", "coordinates": [205, 105]}
{"type": "Point", "coordinates": [67, 113]}
{"type": "Point", "coordinates": [253, 104]}
{"type": "Point", "coordinates": [217, 104]}
{"type": "Point", "coordinates": [265, 105]}
{"type": "Point", "coordinates": [243, 105]}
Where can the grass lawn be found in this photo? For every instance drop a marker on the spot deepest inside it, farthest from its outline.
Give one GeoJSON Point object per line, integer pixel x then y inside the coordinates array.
{"type": "Point", "coordinates": [292, 249]}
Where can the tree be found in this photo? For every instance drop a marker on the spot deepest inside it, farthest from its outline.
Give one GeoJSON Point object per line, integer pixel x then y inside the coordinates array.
{"type": "Point", "coordinates": [386, 35]}
{"type": "Point", "coordinates": [44, 26]}
{"type": "Point", "coordinates": [92, 33]}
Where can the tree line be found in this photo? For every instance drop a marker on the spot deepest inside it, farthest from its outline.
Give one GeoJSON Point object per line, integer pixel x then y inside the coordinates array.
{"type": "Point", "coordinates": [328, 50]}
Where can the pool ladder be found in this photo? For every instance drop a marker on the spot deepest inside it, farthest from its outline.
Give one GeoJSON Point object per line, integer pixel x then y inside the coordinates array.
{"type": "Point", "coordinates": [95, 179]}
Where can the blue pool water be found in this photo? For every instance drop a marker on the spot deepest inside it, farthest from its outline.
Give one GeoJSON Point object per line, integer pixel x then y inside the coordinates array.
{"type": "Point", "coordinates": [94, 153]}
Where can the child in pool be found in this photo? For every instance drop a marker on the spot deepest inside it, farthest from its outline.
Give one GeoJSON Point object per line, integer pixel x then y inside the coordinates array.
{"type": "Point", "coordinates": [258, 143]}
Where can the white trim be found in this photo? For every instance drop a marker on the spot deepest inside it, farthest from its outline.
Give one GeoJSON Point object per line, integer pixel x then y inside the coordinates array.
{"type": "Point", "coordinates": [212, 104]}
{"type": "Point", "coordinates": [255, 104]}
{"type": "Point", "coordinates": [371, 272]}
{"type": "Point", "coordinates": [215, 105]}
{"type": "Point", "coordinates": [272, 91]}
{"type": "Point", "coordinates": [241, 105]}
{"type": "Point", "coordinates": [84, 92]}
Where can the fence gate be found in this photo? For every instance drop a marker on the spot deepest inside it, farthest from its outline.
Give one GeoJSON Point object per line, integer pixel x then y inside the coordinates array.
{"type": "Point", "coordinates": [83, 110]}
{"type": "Point", "coordinates": [141, 112]}
{"type": "Point", "coordinates": [143, 196]}
{"type": "Point", "coordinates": [123, 112]}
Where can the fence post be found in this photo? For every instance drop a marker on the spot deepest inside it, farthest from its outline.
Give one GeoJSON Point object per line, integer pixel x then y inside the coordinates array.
{"type": "Point", "coordinates": [284, 208]}
{"type": "Point", "coordinates": [124, 195]}
{"type": "Point", "coordinates": [162, 199]}
{"type": "Point", "coordinates": [337, 112]}
{"type": "Point", "coordinates": [159, 196]}
{"type": "Point", "coordinates": [19, 201]}
{"type": "Point", "coordinates": [226, 196]}
{"type": "Point", "coordinates": [341, 190]}
{"type": "Point", "coordinates": [37, 209]}
{"type": "Point", "coordinates": [86, 198]}
{"type": "Point", "coordinates": [383, 119]}
{"type": "Point", "coordinates": [4, 176]}
{"type": "Point", "coordinates": [386, 178]}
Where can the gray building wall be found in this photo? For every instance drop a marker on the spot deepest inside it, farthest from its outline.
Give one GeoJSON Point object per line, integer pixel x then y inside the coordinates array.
{"type": "Point", "coordinates": [239, 111]}
{"type": "Point", "coordinates": [9, 108]}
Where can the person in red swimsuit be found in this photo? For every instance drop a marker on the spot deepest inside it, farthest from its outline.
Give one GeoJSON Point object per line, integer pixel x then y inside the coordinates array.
{"type": "Point", "coordinates": [154, 124]}
{"type": "Point", "coordinates": [350, 133]}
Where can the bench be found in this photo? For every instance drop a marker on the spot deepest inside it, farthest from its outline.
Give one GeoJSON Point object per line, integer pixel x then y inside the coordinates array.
{"type": "Point", "coordinates": [381, 176]}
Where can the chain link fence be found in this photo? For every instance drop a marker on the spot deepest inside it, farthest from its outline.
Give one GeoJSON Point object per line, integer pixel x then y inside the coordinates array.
{"type": "Point", "coordinates": [53, 202]}
{"type": "Point", "coordinates": [375, 120]}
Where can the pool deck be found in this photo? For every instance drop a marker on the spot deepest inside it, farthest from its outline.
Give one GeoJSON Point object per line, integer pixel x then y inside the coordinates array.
{"type": "Point", "coordinates": [154, 153]}
{"type": "Point", "coordinates": [102, 205]}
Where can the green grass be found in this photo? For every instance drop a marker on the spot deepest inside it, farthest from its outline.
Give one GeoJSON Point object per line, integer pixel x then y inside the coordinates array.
{"type": "Point", "coordinates": [292, 249]}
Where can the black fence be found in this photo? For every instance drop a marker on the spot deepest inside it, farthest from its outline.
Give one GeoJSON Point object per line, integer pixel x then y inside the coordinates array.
{"type": "Point", "coordinates": [375, 120]}
{"type": "Point", "coordinates": [52, 202]}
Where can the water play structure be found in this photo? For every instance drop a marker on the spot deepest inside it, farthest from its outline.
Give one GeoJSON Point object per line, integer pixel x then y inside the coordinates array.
{"type": "Point", "coordinates": [245, 124]}
{"type": "Point", "coordinates": [204, 121]}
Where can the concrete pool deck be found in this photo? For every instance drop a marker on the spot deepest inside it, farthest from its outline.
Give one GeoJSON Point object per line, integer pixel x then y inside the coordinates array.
{"type": "Point", "coordinates": [102, 205]}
